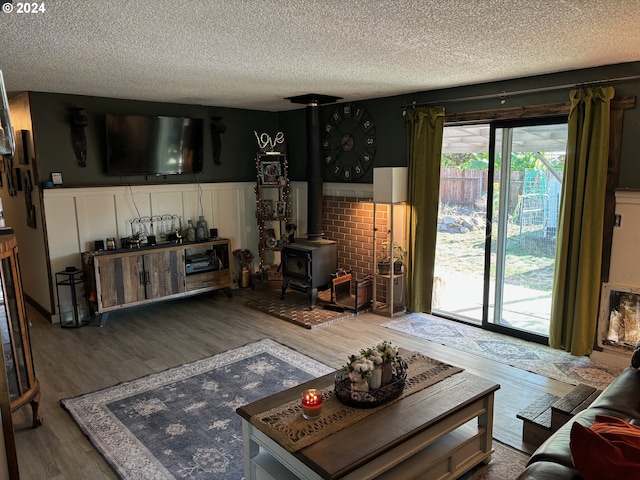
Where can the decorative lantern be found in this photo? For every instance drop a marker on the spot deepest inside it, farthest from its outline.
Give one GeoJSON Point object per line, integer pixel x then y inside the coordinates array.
{"type": "Point", "coordinates": [71, 289]}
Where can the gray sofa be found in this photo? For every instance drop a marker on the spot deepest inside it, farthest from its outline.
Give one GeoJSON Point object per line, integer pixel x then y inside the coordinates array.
{"type": "Point", "coordinates": [552, 460]}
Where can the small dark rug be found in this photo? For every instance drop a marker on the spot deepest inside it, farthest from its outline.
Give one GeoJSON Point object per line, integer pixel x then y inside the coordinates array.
{"type": "Point", "coordinates": [295, 308]}
{"type": "Point", "coordinates": [182, 423]}
{"type": "Point", "coordinates": [529, 356]}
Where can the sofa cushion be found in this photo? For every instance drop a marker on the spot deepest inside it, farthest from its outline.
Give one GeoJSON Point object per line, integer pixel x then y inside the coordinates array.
{"type": "Point", "coordinates": [635, 358]}
{"type": "Point", "coordinates": [556, 448]}
{"type": "Point", "coordinates": [549, 471]}
{"type": "Point", "coordinates": [610, 449]}
{"type": "Point", "coordinates": [622, 395]}
{"type": "Point", "coordinates": [552, 459]}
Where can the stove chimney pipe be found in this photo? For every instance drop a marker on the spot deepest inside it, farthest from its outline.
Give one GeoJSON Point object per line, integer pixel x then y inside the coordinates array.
{"type": "Point", "coordinates": [314, 173]}
{"type": "Point", "coordinates": [314, 158]}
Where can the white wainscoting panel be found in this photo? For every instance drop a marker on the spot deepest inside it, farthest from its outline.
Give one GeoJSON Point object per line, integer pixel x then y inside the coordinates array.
{"type": "Point", "coordinates": [62, 231]}
{"type": "Point", "coordinates": [90, 230]}
{"type": "Point", "coordinates": [299, 207]}
{"type": "Point", "coordinates": [624, 268]}
{"type": "Point", "coordinates": [77, 217]}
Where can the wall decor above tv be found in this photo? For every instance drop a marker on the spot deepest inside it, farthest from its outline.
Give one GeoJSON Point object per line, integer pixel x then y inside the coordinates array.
{"type": "Point", "coordinates": [153, 145]}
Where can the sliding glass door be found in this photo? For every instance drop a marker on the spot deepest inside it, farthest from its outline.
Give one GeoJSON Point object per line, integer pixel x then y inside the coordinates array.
{"type": "Point", "coordinates": [500, 191]}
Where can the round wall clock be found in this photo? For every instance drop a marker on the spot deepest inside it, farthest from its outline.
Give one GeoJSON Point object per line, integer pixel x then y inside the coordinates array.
{"type": "Point", "coordinates": [349, 142]}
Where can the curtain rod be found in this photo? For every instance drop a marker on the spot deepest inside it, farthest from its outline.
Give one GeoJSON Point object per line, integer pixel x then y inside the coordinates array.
{"type": "Point", "coordinates": [503, 95]}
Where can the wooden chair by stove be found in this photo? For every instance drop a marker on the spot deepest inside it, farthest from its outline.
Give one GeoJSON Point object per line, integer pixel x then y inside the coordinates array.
{"type": "Point", "coordinates": [341, 291]}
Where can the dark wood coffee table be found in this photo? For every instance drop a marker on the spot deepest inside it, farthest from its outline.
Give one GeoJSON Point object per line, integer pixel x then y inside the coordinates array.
{"type": "Point", "coordinates": [439, 432]}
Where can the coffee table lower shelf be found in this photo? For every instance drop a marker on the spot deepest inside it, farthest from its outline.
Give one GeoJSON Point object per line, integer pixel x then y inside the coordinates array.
{"type": "Point", "coordinates": [447, 457]}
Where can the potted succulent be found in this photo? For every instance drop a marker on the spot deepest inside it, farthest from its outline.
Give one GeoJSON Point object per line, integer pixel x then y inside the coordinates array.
{"type": "Point", "coordinates": [396, 256]}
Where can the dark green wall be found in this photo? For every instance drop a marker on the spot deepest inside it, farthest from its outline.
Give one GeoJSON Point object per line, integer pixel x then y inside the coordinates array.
{"type": "Point", "coordinates": [391, 135]}
{"type": "Point", "coordinates": [239, 144]}
{"type": "Point", "coordinates": [55, 153]}
{"type": "Point", "coordinates": [293, 125]}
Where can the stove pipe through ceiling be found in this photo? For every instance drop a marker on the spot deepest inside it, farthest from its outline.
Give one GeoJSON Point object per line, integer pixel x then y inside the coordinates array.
{"type": "Point", "coordinates": [314, 159]}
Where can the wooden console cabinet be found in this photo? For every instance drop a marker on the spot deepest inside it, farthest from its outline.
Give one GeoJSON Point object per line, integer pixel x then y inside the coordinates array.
{"type": "Point", "coordinates": [123, 278]}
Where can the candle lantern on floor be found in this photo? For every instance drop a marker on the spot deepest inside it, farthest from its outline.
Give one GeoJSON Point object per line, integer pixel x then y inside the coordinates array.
{"type": "Point", "coordinates": [71, 289]}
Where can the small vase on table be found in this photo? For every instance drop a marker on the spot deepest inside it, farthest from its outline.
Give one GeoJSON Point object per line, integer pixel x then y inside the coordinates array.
{"type": "Point", "coordinates": [387, 373]}
{"type": "Point", "coordinates": [358, 388]}
{"type": "Point", "coordinates": [375, 382]}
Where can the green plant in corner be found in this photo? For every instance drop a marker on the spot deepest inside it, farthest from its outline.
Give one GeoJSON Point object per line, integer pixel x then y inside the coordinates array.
{"type": "Point", "coordinates": [396, 255]}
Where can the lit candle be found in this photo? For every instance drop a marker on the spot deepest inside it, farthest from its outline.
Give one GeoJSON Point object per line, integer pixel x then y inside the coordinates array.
{"type": "Point", "coordinates": [311, 404]}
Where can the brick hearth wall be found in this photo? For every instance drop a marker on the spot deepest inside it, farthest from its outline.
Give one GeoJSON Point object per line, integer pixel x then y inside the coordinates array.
{"type": "Point", "coordinates": [349, 221]}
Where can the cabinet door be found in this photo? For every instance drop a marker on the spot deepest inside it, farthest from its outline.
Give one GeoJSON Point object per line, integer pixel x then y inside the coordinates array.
{"type": "Point", "coordinates": [164, 273]}
{"type": "Point", "coordinates": [15, 335]}
{"type": "Point", "coordinates": [119, 280]}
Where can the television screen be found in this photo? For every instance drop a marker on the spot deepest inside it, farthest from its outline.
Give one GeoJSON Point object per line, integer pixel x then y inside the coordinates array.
{"type": "Point", "coordinates": [146, 145]}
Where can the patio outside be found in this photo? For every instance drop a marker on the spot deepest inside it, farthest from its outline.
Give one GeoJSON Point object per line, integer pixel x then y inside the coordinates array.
{"type": "Point", "coordinates": [532, 212]}
{"type": "Point", "coordinates": [459, 272]}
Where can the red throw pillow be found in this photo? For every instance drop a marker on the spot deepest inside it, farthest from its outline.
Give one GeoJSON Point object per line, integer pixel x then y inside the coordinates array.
{"type": "Point", "coordinates": [609, 449]}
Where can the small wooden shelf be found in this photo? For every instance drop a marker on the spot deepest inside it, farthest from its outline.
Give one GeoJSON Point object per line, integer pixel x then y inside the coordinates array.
{"type": "Point", "coordinates": [388, 288]}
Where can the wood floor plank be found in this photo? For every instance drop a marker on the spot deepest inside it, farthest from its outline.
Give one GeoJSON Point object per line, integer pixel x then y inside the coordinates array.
{"type": "Point", "coordinates": [142, 340]}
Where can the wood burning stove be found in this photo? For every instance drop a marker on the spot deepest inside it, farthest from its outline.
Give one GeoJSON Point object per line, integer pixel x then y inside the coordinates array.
{"type": "Point", "coordinates": [307, 266]}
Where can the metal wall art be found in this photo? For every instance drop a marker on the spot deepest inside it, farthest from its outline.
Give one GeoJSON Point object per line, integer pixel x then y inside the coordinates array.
{"type": "Point", "coordinates": [78, 122]}
{"type": "Point", "coordinates": [28, 191]}
{"type": "Point", "coordinates": [216, 129]}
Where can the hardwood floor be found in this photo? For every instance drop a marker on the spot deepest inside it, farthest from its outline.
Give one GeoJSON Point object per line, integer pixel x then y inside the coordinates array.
{"type": "Point", "coordinates": [143, 340]}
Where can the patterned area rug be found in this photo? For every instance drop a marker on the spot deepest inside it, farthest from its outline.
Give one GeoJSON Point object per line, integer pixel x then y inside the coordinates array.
{"type": "Point", "coordinates": [528, 356]}
{"type": "Point", "coordinates": [295, 308]}
{"type": "Point", "coordinates": [182, 423]}
{"type": "Point", "coordinates": [506, 463]}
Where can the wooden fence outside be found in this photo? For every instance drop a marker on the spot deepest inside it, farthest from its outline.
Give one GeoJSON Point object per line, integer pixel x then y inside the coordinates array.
{"type": "Point", "coordinates": [468, 187]}
{"type": "Point", "coordinates": [462, 187]}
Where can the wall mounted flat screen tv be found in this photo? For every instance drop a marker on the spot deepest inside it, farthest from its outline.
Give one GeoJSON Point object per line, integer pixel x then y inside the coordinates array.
{"type": "Point", "coordinates": [148, 145]}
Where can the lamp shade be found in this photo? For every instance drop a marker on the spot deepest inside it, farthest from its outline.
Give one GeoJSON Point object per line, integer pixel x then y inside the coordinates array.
{"type": "Point", "coordinates": [390, 184]}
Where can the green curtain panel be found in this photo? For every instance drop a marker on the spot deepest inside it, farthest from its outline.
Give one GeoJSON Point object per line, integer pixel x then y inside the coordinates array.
{"type": "Point", "coordinates": [424, 147]}
{"type": "Point", "coordinates": [576, 289]}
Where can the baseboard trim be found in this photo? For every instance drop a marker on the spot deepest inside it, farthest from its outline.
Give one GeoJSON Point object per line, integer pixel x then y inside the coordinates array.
{"type": "Point", "coordinates": [37, 307]}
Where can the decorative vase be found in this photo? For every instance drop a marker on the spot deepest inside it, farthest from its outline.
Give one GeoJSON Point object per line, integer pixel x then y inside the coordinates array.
{"type": "Point", "coordinates": [375, 382]}
{"type": "Point", "coordinates": [245, 277]}
{"type": "Point", "coordinates": [398, 268]}
{"type": "Point", "coordinates": [387, 373]}
{"type": "Point", "coordinates": [201, 229]}
{"type": "Point", "coordinates": [357, 387]}
{"type": "Point", "coordinates": [191, 232]}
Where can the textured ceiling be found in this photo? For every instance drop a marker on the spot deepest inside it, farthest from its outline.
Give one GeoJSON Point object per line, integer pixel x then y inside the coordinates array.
{"type": "Point", "coordinates": [254, 53]}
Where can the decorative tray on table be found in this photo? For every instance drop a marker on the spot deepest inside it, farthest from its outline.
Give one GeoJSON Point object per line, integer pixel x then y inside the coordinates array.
{"type": "Point", "coordinates": [372, 398]}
